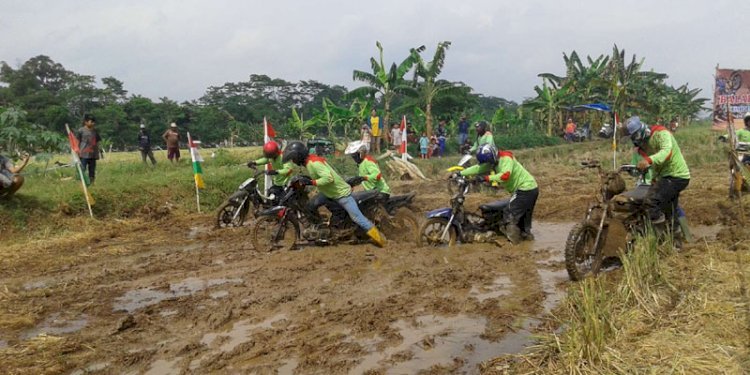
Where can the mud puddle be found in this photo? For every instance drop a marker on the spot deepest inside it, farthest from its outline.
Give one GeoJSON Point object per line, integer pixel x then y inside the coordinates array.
{"type": "Point", "coordinates": [140, 298]}
{"type": "Point", "coordinates": [55, 325]}
{"type": "Point", "coordinates": [501, 286]}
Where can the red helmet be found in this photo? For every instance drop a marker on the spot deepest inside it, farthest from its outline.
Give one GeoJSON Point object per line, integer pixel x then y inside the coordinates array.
{"type": "Point", "coordinates": [271, 149]}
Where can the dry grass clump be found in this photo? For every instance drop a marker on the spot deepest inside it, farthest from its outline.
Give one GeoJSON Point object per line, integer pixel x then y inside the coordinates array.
{"type": "Point", "coordinates": [687, 314]}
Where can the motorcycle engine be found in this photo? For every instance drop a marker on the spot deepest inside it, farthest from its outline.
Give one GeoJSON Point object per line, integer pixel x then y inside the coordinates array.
{"type": "Point", "coordinates": [318, 232]}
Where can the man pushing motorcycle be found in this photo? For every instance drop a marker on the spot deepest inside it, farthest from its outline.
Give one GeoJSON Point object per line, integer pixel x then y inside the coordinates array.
{"type": "Point", "coordinates": [662, 154]}
{"type": "Point", "coordinates": [280, 171]}
{"type": "Point", "coordinates": [369, 174]}
{"type": "Point", "coordinates": [516, 180]}
{"type": "Point", "coordinates": [330, 185]}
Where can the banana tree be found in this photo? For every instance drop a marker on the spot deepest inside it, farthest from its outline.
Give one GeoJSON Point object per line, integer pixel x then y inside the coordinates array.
{"type": "Point", "coordinates": [383, 81]}
{"type": "Point", "coordinates": [549, 103]}
{"type": "Point", "coordinates": [300, 128]}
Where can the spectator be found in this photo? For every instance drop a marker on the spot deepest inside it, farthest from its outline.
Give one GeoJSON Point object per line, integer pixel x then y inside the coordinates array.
{"type": "Point", "coordinates": [366, 135]}
{"type": "Point", "coordinates": [441, 134]}
{"type": "Point", "coordinates": [172, 139]}
{"type": "Point", "coordinates": [463, 130]}
{"type": "Point", "coordinates": [88, 144]}
{"type": "Point", "coordinates": [433, 147]}
{"type": "Point", "coordinates": [396, 137]}
{"type": "Point", "coordinates": [570, 129]}
{"type": "Point", "coordinates": [10, 180]}
{"type": "Point", "coordinates": [376, 128]}
{"type": "Point", "coordinates": [424, 142]}
{"type": "Point", "coordinates": [144, 145]}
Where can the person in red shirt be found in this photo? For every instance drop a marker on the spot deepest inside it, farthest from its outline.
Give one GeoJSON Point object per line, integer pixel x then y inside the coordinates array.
{"type": "Point", "coordinates": [570, 129]}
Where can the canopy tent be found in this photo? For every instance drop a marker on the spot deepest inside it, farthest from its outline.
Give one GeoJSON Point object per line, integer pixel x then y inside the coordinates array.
{"type": "Point", "coordinates": [590, 107]}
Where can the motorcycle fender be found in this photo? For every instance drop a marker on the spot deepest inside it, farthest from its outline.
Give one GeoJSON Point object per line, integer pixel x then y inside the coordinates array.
{"type": "Point", "coordinates": [273, 211]}
{"type": "Point", "coordinates": [455, 168]}
{"type": "Point", "coordinates": [440, 212]}
{"type": "Point", "coordinates": [238, 196]}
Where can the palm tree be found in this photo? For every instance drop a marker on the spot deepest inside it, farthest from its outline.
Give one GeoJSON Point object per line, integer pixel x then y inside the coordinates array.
{"type": "Point", "coordinates": [387, 83]}
{"type": "Point", "coordinates": [430, 87]}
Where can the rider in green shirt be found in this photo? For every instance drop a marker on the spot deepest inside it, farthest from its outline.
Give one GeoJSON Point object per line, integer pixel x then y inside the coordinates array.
{"type": "Point", "coordinates": [281, 172]}
{"type": "Point", "coordinates": [369, 172]}
{"type": "Point", "coordinates": [484, 136]}
{"type": "Point", "coordinates": [516, 180]}
{"type": "Point", "coordinates": [331, 186]}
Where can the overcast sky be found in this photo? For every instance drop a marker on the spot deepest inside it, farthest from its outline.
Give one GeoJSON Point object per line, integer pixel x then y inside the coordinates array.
{"type": "Point", "coordinates": [178, 48]}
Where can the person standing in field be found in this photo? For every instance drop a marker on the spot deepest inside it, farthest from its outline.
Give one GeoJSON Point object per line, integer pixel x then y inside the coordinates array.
{"type": "Point", "coordinates": [366, 135]}
{"type": "Point", "coordinates": [10, 180]}
{"type": "Point", "coordinates": [88, 144]}
{"type": "Point", "coordinates": [570, 129]}
{"type": "Point", "coordinates": [396, 137]}
{"type": "Point", "coordinates": [144, 145]}
{"type": "Point", "coordinates": [463, 131]}
{"type": "Point", "coordinates": [442, 134]}
{"type": "Point", "coordinates": [424, 142]}
{"type": "Point", "coordinates": [172, 139]}
{"type": "Point", "coordinates": [376, 128]}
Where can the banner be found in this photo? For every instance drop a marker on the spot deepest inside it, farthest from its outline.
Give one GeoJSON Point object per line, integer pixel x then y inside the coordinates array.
{"type": "Point", "coordinates": [731, 92]}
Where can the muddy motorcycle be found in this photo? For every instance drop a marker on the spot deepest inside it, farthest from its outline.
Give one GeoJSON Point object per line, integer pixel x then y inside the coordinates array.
{"type": "Point", "coordinates": [616, 214]}
{"type": "Point", "coordinates": [450, 225]}
{"type": "Point", "coordinates": [290, 224]}
{"type": "Point", "coordinates": [233, 212]}
{"type": "Point", "coordinates": [453, 184]}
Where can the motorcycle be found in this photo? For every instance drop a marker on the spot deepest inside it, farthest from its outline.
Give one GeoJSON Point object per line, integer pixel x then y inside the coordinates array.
{"type": "Point", "coordinates": [582, 134]}
{"type": "Point", "coordinates": [606, 131]}
{"type": "Point", "coordinates": [450, 225]}
{"type": "Point", "coordinates": [234, 210]}
{"type": "Point", "coordinates": [290, 223]}
{"type": "Point", "coordinates": [616, 213]}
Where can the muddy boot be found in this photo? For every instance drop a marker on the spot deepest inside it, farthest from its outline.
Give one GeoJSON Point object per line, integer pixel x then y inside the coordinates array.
{"type": "Point", "coordinates": [660, 228]}
{"type": "Point", "coordinates": [513, 233]}
{"type": "Point", "coordinates": [527, 236]}
{"type": "Point", "coordinates": [376, 237]}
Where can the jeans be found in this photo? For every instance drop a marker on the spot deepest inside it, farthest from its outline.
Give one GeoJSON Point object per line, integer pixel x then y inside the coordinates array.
{"type": "Point", "coordinates": [441, 143]}
{"type": "Point", "coordinates": [521, 209]}
{"type": "Point", "coordinates": [89, 164]}
{"type": "Point", "coordinates": [350, 205]}
{"type": "Point", "coordinates": [462, 137]}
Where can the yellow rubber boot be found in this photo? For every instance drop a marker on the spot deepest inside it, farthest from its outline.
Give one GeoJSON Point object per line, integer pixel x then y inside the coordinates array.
{"type": "Point", "coordinates": [376, 236]}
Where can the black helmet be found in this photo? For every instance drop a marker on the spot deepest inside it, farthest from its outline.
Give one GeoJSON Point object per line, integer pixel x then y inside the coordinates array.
{"type": "Point", "coordinates": [481, 127]}
{"type": "Point", "coordinates": [296, 152]}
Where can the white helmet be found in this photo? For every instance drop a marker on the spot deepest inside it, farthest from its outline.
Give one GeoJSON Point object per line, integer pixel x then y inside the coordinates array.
{"type": "Point", "coordinates": [356, 146]}
{"type": "Point", "coordinates": [747, 116]}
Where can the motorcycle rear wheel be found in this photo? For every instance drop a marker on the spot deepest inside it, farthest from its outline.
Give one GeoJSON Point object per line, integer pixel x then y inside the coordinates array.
{"type": "Point", "coordinates": [402, 226]}
{"type": "Point", "coordinates": [264, 232]}
{"type": "Point", "coordinates": [225, 216]}
{"type": "Point", "coordinates": [431, 231]}
{"type": "Point", "coordinates": [581, 259]}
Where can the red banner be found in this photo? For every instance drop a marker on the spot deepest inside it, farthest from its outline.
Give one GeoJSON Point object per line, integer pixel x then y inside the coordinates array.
{"type": "Point", "coordinates": [731, 93]}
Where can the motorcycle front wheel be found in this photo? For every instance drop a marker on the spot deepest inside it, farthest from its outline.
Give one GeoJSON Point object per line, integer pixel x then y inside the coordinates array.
{"type": "Point", "coordinates": [270, 234]}
{"type": "Point", "coordinates": [228, 217]}
{"type": "Point", "coordinates": [431, 233]}
{"type": "Point", "coordinates": [581, 259]}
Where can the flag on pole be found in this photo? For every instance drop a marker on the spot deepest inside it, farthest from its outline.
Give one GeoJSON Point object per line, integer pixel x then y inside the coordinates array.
{"type": "Point", "coordinates": [197, 160]}
{"type": "Point", "coordinates": [614, 141]}
{"type": "Point", "coordinates": [74, 150]}
{"type": "Point", "coordinates": [403, 138]}
{"type": "Point", "coordinates": [268, 133]}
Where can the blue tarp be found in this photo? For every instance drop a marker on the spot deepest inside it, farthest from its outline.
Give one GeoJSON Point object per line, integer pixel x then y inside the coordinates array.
{"type": "Point", "coordinates": [590, 107]}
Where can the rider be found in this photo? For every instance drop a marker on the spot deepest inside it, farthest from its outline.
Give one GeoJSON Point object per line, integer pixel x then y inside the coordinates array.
{"type": "Point", "coordinates": [517, 181]}
{"type": "Point", "coordinates": [660, 152]}
{"type": "Point", "coordinates": [369, 172]}
{"type": "Point", "coordinates": [280, 170]}
{"type": "Point", "coordinates": [331, 186]}
{"type": "Point", "coordinates": [484, 136]}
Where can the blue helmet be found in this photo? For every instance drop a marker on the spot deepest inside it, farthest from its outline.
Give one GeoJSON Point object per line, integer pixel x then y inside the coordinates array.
{"type": "Point", "coordinates": [487, 154]}
{"type": "Point", "coordinates": [637, 130]}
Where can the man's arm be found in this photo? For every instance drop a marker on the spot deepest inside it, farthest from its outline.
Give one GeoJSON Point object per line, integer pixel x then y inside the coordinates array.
{"type": "Point", "coordinates": [322, 170]}
{"type": "Point", "coordinates": [664, 141]}
{"type": "Point", "coordinates": [503, 175]}
{"type": "Point", "coordinates": [476, 170]}
{"type": "Point", "coordinates": [286, 169]}
{"type": "Point", "coordinates": [371, 172]}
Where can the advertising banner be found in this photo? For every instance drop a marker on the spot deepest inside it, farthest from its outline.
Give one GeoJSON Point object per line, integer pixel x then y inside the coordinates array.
{"type": "Point", "coordinates": [732, 93]}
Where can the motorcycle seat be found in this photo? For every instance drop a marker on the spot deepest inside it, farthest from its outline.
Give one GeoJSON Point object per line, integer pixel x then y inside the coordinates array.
{"type": "Point", "coordinates": [495, 206]}
{"type": "Point", "coordinates": [364, 196]}
{"type": "Point", "coordinates": [637, 195]}
{"type": "Point", "coordinates": [401, 198]}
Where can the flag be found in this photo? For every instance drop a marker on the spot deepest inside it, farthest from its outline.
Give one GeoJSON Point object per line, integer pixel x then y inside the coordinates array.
{"type": "Point", "coordinates": [403, 136]}
{"type": "Point", "coordinates": [197, 160]}
{"type": "Point", "coordinates": [74, 150]}
{"type": "Point", "coordinates": [270, 133]}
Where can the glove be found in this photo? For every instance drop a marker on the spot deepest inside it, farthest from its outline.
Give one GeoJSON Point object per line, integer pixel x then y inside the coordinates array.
{"type": "Point", "coordinates": [252, 164]}
{"type": "Point", "coordinates": [643, 165]}
{"type": "Point", "coordinates": [271, 172]}
{"type": "Point", "coordinates": [479, 179]}
{"type": "Point", "coordinates": [301, 180]}
{"type": "Point", "coordinates": [354, 181]}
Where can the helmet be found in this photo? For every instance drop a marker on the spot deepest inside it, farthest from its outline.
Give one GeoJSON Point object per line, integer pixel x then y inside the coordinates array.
{"type": "Point", "coordinates": [295, 152]}
{"type": "Point", "coordinates": [481, 127]}
{"type": "Point", "coordinates": [487, 153]}
{"type": "Point", "coordinates": [637, 130]}
{"type": "Point", "coordinates": [357, 150]}
{"type": "Point", "coordinates": [271, 150]}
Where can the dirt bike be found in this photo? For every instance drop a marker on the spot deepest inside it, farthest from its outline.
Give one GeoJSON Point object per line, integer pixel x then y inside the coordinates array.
{"type": "Point", "coordinates": [234, 210]}
{"type": "Point", "coordinates": [614, 215]}
{"type": "Point", "coordinates": [291, 223]}
{"type": "Point", "coordinates": [450, 225]}
{"type": "Point", "coordinates": [739, 161]}
{"type": "Point", "coordinates": [462, 164]}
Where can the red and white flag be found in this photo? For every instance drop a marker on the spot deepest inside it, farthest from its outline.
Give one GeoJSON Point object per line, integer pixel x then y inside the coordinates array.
{"type": "Point", "coordinates": [268, 133]}
{"type": "Point", "coordinates": [403, 138]}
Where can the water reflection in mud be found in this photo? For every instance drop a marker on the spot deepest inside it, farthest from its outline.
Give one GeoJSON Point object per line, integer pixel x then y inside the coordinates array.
{"type": "Point", "coordinates": [140, 298]}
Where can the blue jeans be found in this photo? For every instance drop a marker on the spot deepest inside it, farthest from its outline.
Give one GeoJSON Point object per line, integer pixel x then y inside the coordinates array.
{"type": "Point", "coordinates": [441, 143]}
{"type": "Point", "coordinates": [350, 205]}
{"type": "Point", "coordinates": [462, 137]}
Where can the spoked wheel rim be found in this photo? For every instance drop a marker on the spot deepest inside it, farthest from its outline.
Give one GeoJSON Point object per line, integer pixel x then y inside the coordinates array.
{"type": "Point", "coordinates": [581, 258]}
{"type": "Point", "coordinates": [271, 235]}
{"type": "Point", "coordinates": [226, 216]}
{"type": "Point", "coordinates": [431, 234]}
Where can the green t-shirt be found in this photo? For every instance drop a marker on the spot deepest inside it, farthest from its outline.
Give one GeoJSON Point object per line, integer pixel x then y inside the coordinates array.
{"type": "Point", "coordinates": [487, 138]}
{"type": "Point", "coordinates": [664, 155]}
{"type": "Point", "coordinates": [374, 180]}
{"type": "Point", "coordinates": [285, 169]}
{"type": "Point", "coordinates": [328, 182]}
{"type": "Point", "coordinates": [508, 172]}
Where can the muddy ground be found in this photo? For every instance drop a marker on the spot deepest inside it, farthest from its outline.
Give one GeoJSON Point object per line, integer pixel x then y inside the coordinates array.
{"type": "Point", "coordinates": [177, 296]}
